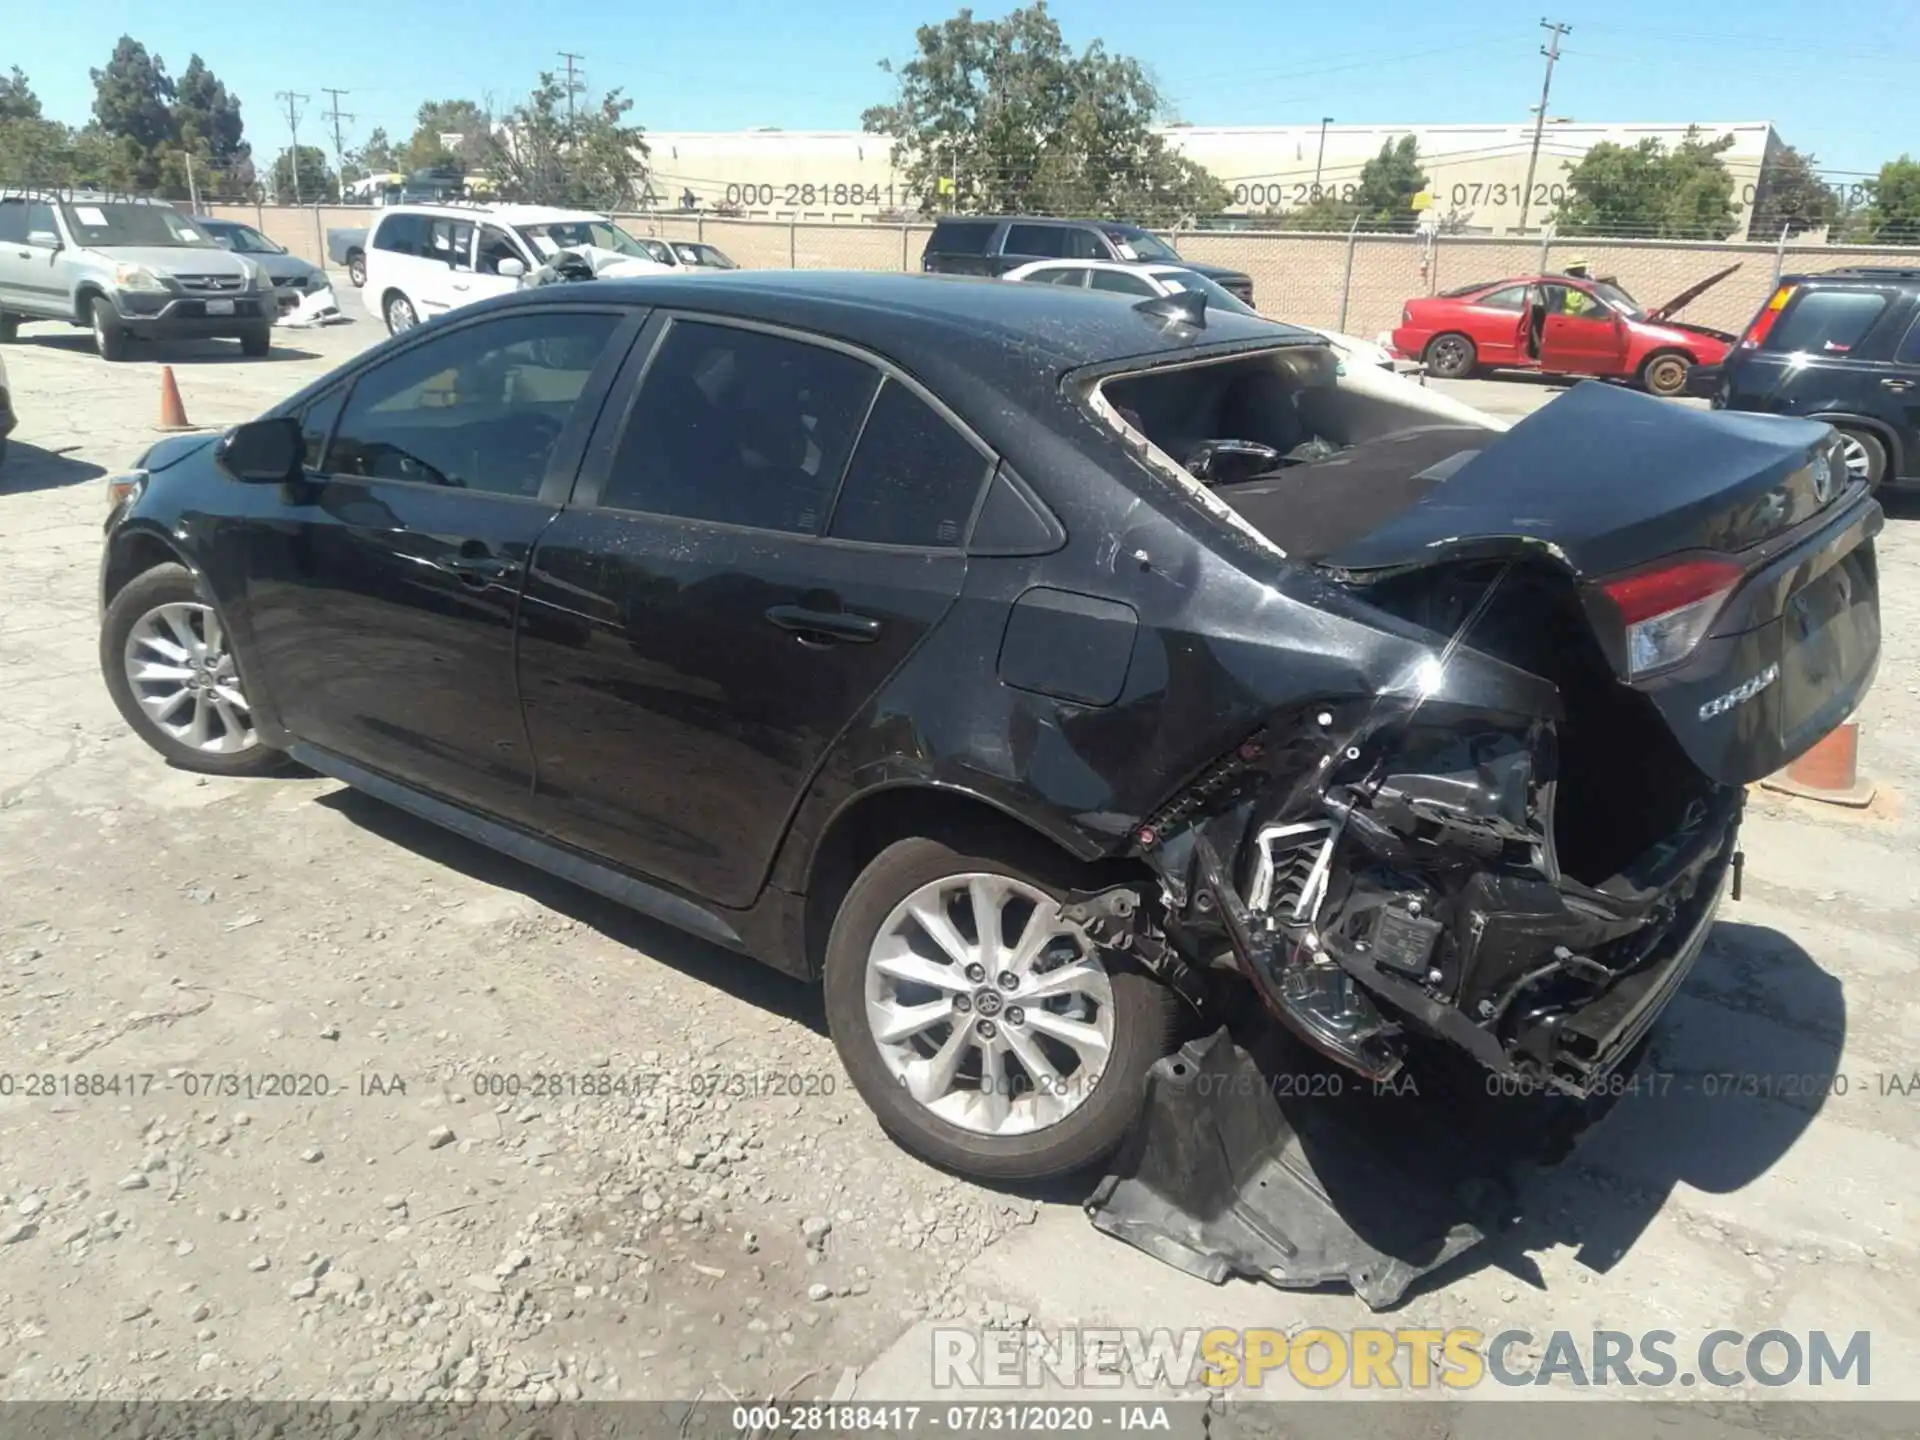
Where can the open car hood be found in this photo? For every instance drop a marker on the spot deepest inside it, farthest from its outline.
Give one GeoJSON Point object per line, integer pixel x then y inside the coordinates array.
{"type": "Point", "coordinates": [1692, 293]}
{"type": "Point", "coordinates": [1601, 480]}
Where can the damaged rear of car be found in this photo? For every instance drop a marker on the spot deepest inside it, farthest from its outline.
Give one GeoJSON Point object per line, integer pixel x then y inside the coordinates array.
{"type": "Point", "coordinates": [1585, 636]}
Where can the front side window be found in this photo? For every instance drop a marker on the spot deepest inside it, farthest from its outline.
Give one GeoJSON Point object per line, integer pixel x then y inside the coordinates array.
{"type": "Point", "coordinates": [913, 479]}
{"type": "Point", "coordinates": [1121, 283]}
{"type": "Point", "coordinates": [1511, 297]}
{"type": "Point", "coordinates": [13, 222]}
{"type": "Point", "coordinates": [316, 424]}
{"type": "Point", "coordinates": [1072, 275]}
{"type": "Point", "coordinates": [249, 241]}
{"type": "Point", "coordinates": [478, 408]}
{"type": "Point", "coordinates": [740, 427]}
{"type": "Point", "coordinates": [496, 245]}
{"type": "Point", "coordinates": [1045, 241]}
{"type": "Point", "coordinates": [1136, 244]}
{"type": "Point", "coordinates": [1827, 322]}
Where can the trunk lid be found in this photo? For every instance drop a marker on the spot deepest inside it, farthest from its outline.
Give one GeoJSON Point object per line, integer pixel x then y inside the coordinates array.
{"type": "Point", "coordinates": [1606, 483]}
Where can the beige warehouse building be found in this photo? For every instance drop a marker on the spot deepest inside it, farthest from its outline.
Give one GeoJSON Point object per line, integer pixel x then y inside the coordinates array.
{"type": "Point", "coordinates": [1477, 174]}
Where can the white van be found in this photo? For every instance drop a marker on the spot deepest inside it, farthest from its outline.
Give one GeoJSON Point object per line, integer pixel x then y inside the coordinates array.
{"type": "Point", "coordinates": [424, 260]}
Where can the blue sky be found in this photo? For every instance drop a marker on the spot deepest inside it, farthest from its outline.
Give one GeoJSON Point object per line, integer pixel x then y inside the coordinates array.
{"type": "Point", "coordinates": [1836, 77]}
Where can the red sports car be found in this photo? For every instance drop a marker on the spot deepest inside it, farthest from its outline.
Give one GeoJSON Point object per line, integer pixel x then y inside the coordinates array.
{"type": "Point", "coordinates": [1563, 325]}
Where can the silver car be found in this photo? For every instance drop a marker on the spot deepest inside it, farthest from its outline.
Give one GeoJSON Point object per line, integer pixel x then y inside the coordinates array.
{"type": "Point", "coordinates": [292, 277]}
{"type": "Point", "coordinates": [126, 268]}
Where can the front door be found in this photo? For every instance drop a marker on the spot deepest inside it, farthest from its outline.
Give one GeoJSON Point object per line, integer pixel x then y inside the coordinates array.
{"type": "Point", "coordinates": [382, 592]}
{"type": "Point", "coordinates": [1580, 335]}
{"type": "Point", "coordinates": [1901, 387]}
{"type": "Point", "coordinates": [699, 629]}
{"type": "Point", "coordinates": [30, 279]}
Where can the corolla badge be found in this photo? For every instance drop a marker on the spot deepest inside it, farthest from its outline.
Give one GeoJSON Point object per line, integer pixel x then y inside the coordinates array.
{"type": "Point", "coordinates": [1822, 472]}
{"type": "Point", "coordinates": [1740, 694]}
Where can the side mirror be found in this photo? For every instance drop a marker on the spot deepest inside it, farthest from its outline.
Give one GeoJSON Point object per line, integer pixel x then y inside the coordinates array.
{"type": "Point", "coordinates": [510, 268]}
{"type": "Point", "coordinates": [262, 452]}
{"type": "Point", "coordinates": [44, 239]}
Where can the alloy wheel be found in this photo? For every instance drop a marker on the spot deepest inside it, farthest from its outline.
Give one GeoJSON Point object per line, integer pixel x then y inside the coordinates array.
{"type": "Point", "coordinates": [1854, 456]}
{"type": "Point", "coordinates": [1449, 356]}
{"type": "Point", "coordinates": [180, 669]}
{"type": "Point", "coordinates": [400, 314]}
{"type": "Point", "coordinates": [988, 1009]}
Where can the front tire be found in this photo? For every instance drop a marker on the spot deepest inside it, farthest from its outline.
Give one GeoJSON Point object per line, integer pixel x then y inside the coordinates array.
{"type": "Point", "coordinates": [170, 668]}
{"type": "Point", "coordinates": [1865, 456]}
{"type": "Point", "coordinates": [9, 329]}
{"type": "Point", "coordinates": [1666, 374]}
{"type": "Point", "coordinates": [109, 337]}
{"type": "Point", "coordinates": [357, 269]}
{"type": "Point", "coordinates": [1009, 1051]}
{"type": "Point", "coordinates": [256, 343]}
{"type": "Point", "coordinates": [1451, 356]}
{"type": "Point", "coordinates": [399, 312]}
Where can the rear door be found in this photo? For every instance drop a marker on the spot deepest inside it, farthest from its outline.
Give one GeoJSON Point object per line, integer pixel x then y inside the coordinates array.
{"type": "Point", "coordinates": [1902, 382]}
{"type": "Point", "coordinates": [1581, 339]}
{"type": "Point", "coordinates": [758, 543]}
{"type": "Point", "coordinates": [382, 588]}
{"type": "Point", "coordinates": [1026, 241]}
{"type": "Point", "coordinates": [446, 267]}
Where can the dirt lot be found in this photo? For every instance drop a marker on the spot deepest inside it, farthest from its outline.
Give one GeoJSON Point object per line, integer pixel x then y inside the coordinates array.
{"type": "Point", "coordinates": [332, 1169]}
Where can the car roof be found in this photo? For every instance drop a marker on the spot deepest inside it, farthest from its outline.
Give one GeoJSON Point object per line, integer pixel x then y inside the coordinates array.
{"type": "Point", "coordinates": [509, 213]}
{"type": "Point", "coordinates": [1034, 220]}
{"type": "Point", "coordinates": [1857, 275]}
{"type": "Point", "coordinates": [910, 318]}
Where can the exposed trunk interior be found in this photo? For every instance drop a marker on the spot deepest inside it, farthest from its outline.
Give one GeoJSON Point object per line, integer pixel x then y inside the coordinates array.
{"type": "Point", "coordinates": [1624, 783]}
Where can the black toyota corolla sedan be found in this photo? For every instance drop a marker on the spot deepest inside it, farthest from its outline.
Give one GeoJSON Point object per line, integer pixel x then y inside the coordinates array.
{"type": "Point", "coordinates": [1025, 664]}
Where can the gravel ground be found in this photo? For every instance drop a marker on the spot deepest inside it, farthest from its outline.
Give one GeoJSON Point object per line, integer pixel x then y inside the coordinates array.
{"type": "Point", "coordinates": [311, 1100]}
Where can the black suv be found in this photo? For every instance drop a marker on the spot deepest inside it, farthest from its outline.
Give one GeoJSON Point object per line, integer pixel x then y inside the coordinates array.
{"type": "Point", "coordinates": [1844, 347]}
{"type": "Point", "coordinates": [986, 245]}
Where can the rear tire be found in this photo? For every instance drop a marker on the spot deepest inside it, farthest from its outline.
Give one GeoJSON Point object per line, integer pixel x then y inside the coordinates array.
{"type": "Point", "coordinates": [109, 338]}
{"type": "Point", "coordinates": [9, 329]}
{"type": "Point", "coordinates": [256, 343]}
{"type": "Point", "coordinates": [165, 605]}
{"type": "Point", "coordinates": [1866, 455]}
{"type": "Point", "coordinates": [1451, 356]}
{"type": "Point", "coordinates": [1666, 374]}
{"type": "Point", "coordinates": [1060, 1127]}
{"type": "Point", "coordinates": [357, 269]}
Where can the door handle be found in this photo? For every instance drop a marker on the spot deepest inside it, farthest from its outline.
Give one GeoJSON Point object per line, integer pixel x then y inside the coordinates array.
{"type": "Point", "coordinates": [480, 570]}
{"type": "Point", "coordinates": [1892, 383]}
{"type": "Point", "coordinates": [823, 627]}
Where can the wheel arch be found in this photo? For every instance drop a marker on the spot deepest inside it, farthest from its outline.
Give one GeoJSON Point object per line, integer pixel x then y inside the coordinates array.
{"type": "Point", "coordinates": [135, 550]}
{"type": "Point", "coordinates": [83, 297]}
{"type": "Point", "coordinates": [1881, 431]}
{"type": "Point", "coordinates": [867, 823]}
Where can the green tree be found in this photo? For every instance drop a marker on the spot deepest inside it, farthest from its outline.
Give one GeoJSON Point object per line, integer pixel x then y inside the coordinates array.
{"type": "Point", "coordinates": [376, 157]}
{"type": "Point", "coordinates": [316, 177]}
{"type": "Point", "coordinates": [132, 104]}
{"type": "Point", "coordinates": [1893, 215]}
{"type": "Point", "coordinates": [599, 163]}
{"type": "Point", "coordinates": [17, 100]}
{"type": "Point", "coordinates": [1001, 115]}
{"type": "Point", "coordinates": [33, 149]}
{"type": "Point", "coordinates": [427, 151]}
{"type": "Point", "coordinates": [1792, 195]}
{"type": "Point", "coordinates": [207, 124]}
{"type": "Point", "coordinates": [1685, 193]}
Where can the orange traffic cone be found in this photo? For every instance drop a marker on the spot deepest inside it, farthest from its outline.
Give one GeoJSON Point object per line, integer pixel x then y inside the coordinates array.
{"type": "Point", "coordinates": [173, 415]}
{"type": "Point", "coordinates": [1830, 771]}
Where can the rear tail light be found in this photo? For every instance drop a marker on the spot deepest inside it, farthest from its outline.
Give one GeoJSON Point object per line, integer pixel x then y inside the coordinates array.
{"type": "Point", "coordinates": [1667, 609]}
{"type": "Point", "coordinates": [1756, 335]}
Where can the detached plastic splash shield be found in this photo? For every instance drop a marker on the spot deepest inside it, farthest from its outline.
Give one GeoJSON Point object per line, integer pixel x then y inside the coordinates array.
{"type": "Point", "coordinates": [1220, 1177]}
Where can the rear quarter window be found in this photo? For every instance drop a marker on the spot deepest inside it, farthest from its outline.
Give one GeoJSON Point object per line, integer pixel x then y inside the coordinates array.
{"type": "Point", "coordinates": [961, 237]}
{"type": "Point", "coordinates": [1827, 322]}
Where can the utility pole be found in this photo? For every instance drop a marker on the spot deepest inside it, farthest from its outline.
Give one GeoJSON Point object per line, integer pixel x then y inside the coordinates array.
{"type": "Point", "coordinates": [573, 86]}
{"type": "Point", "coordinates": [293, 128]}
{"type": "Point", "coordinates": [339, 146]}
{"type": "Point", "coordinates": [1325, 120]}
{"type": "Point", "coordinates": [1552, 51]}
{"type": "Point", "coordinates": [193, 190]}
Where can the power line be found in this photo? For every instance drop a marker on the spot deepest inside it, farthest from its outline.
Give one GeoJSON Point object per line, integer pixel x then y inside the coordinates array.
{"type": "Point", "coordinates": [339, 146]}
{"type": "Point", "coordinates": [293, 128]}
{"type": "Point", "coordinates": [1552, 51]}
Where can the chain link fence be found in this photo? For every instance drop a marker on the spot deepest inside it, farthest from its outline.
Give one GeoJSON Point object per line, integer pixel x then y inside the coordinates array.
{"type": "Point", "coordinates": [1356, 283]}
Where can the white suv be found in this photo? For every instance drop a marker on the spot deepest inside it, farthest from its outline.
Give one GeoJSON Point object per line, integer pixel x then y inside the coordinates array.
{"type": "Point", "coordinates": [424, 260]}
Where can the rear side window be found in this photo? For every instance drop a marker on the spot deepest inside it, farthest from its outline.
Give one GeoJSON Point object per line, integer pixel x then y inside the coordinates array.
{"type": "Point", "coordinates": [742, 428]}
{"type": "Point", "coordinates": [1121, 283]}
{"type": "Point", "coordinates": [13, 222]}
{"type": "Point", "coordinates": [961, 237]}
{"type": "Point", "coordinates": [1827, 322]}
{"type": "Point", "coordinates": [1909, 353]}
{"type": "Point", "coordinates": [1512, 297]}
{"type": "Point", "coordinates": [914, 478]}
{"type": "Point", "coordinates": [399, 234]}
{"type": "Point", "coordinates": [1045, 241]}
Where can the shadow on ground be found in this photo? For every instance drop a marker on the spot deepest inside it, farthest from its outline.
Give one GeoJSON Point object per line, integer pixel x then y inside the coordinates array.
{"type": "Point", "coordinates": [726, 971]}
{"type": "Point", "coordinates": [29, 467]}
{"type": "Point", "coordinates": [176, 352]}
